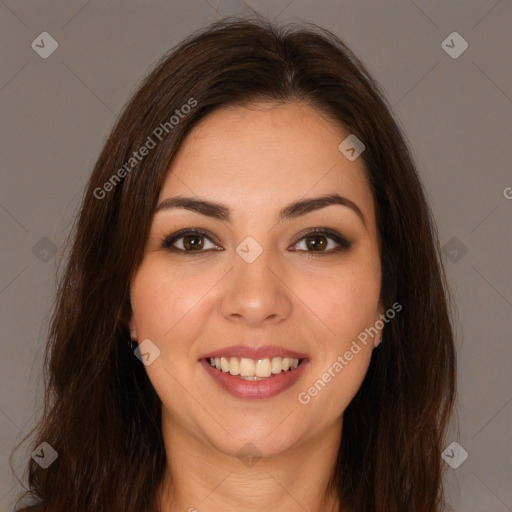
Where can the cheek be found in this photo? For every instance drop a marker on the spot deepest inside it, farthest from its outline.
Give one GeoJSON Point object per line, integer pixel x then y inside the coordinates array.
{"type": "Point", "coordinates": [165, 301]}
{"type": "Point", "coordinates": [347, 306]}
{"type": "Point", "coordinates": [347, 302]}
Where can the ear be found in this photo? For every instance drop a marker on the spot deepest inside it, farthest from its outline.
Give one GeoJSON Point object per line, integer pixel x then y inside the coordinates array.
{"type": "Point", "coordinates": [132, 326]}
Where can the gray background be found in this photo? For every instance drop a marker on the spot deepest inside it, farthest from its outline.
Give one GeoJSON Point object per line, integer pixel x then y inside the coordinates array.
{"type": "Point", "coordinates": [456, 114]}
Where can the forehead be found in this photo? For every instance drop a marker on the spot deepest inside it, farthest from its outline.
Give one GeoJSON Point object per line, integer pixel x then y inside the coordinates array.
{"type": "Point", "coordinates": [264, 156]}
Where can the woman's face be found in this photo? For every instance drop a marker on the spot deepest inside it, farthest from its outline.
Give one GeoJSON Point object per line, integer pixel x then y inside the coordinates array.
{"type": "Point", "coordinates": [259, 281]}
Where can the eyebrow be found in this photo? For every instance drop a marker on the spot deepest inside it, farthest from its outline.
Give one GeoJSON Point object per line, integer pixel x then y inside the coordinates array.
{"type": "Point", "coordinates": [292, 211]}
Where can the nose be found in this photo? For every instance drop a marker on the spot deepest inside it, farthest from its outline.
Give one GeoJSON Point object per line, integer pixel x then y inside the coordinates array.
{"type": "Point", "coordinates": [256, 293]}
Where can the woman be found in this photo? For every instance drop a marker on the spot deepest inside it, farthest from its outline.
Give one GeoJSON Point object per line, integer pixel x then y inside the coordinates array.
{"type": "Point", "coordinates": [254, 314]}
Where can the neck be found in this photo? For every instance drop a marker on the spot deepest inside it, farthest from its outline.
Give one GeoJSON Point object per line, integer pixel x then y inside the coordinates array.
{"type": "Point", "coordinates": [199, 477]}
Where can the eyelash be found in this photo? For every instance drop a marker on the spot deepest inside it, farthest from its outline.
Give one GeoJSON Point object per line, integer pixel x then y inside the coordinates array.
{"type": "Point", "coordinates": [343, 243]}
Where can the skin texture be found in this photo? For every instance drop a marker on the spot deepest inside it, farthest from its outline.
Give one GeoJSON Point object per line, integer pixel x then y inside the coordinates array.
{"type": "Point", "coordinates": [256, 161]}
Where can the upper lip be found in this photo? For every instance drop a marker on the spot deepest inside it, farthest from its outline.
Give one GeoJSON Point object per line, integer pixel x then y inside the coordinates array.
{"type": "Point", "coordinates": [262, 352]}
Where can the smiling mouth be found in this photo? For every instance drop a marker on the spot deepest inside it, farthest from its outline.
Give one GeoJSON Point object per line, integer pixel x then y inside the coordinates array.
{"type": "Point", "coordinates": [254, 369]}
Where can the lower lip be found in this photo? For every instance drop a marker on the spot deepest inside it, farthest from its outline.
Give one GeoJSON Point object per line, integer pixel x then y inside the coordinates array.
{"type": "Point", "coordinates": [258, 389]}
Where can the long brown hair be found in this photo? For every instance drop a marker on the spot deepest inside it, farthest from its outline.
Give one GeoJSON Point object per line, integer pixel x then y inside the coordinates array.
{"type": "Point", "coordinates": [102, 415]}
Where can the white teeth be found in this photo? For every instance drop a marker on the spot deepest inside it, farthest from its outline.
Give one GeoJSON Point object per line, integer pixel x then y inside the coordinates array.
{"type": "Point", "coordinates": [250, 369]}
{"type": "Point", "coordinates": [276, 365]}
{"type": "Point", "coordinates": [263, 368]}
{"type": "Point", "coordinates": [247, 367]}
{"type": "Point", "coordinates": [234, 366]}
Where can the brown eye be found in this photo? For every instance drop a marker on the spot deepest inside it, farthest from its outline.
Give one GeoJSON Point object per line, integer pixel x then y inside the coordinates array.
{"type": "Point", "coordinates": [323, 241]}
{"type": "Point", "coordinates": [193, 242]}
{"type": "Point", "coordinates": [190, 242]}
{"type": "Point", "coordinates": [316, 242]}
